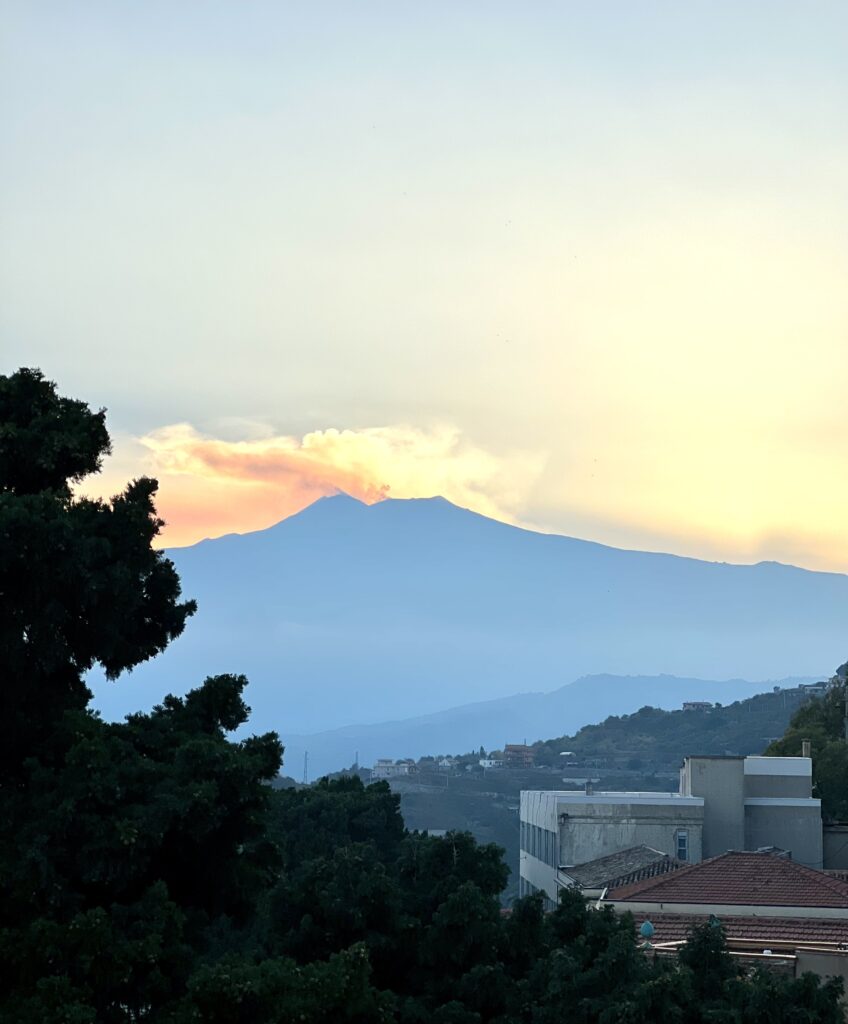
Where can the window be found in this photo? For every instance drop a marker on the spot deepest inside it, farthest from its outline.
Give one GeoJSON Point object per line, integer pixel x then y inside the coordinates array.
{"type": "Point", "coordinates": [682, 836]}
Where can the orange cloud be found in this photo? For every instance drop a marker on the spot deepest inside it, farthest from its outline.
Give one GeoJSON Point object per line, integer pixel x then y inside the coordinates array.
{"type": "Point", "coordinates": [210, 486]}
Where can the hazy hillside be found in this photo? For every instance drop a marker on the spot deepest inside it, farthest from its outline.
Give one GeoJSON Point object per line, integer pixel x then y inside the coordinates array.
{"type": "Point", "coordinates": [352, 613]}
{"type": "Point", "coordinates": [511, 719]}
{"type": "Point", "coordinates": [653, 735]}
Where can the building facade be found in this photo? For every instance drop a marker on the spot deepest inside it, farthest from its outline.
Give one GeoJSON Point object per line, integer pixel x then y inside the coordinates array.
{"type": "Point", "coordinates": [386, 768]}
{"type": "Point", "coordinates": [752, 802]}
{"type": "Point", "coordinates": [723, 803]}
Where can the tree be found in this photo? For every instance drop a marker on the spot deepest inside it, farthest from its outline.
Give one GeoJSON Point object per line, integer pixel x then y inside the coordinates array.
{"type": "Point", "coordinates": [822, 721]}
{"type": "Point", "coordinates": [79, 579]}
{"type": "Point", "coordinates": [125, 849]}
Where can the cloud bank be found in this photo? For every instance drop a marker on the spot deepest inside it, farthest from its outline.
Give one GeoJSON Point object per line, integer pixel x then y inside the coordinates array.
{"type": "Point", "coordinates": [211, 486]}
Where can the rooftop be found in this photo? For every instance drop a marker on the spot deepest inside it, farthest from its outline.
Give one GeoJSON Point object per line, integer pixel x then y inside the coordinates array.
{"type": "Point", "coordinates": [676, 927]}
{"type": "Point", "coordinates": [623, 867]}
{"type": "Point", "coordinates": [578, 796]}
{"type": "Point", "coordinates": [741, 879]}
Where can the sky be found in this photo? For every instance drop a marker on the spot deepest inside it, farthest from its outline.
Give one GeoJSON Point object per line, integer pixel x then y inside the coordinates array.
{"type": "Point", "coordinates": [580, 266]}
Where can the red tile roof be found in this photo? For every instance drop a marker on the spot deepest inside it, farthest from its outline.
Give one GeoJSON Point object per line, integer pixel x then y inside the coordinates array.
{"type": "Point", "coordinates": [742, 879]}
{"type": "Point", "coordinates": [676, 927]}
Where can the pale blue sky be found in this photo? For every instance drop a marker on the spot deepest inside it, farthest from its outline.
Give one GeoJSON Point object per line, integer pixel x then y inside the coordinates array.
{"type": "Point", "coordinates": [605, 241]}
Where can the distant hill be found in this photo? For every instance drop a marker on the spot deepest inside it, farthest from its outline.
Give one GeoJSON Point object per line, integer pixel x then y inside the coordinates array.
{"type": "Point", "coordinates": [655, 735]}
{"type": "Point", "coordinates": [353, 613]}
{"type": "Point", "coordinates": [511, 719]}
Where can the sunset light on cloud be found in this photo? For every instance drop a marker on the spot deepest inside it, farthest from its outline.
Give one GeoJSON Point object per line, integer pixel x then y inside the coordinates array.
{"type": "Point", "coordinates": [210, 486]}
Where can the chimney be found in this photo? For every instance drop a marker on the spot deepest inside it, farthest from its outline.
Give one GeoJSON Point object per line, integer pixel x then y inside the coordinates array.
{"type": "Point", "coordinates": [806, 750]}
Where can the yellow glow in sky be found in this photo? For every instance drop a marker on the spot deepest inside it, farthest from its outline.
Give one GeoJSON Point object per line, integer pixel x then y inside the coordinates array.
{"type": "Point", "coordinates": [580, 267]}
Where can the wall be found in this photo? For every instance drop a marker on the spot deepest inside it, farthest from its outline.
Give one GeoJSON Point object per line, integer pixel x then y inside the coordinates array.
{"type": "Point", "coordinates": [794, 824]}
{"type": "Point", "coordinates": [825, 965]}
{"type": "Point", "coordinates": [721, 783]}
{"type": "Point", "coordinates": [779, 776]}
{"type": "Point", "coordinates": [835, 846]}
{"type": "Point", "coordinates": [540, 875]}
{"type": "Point", "coordinates": [538, 808]}
{"type": "Point", "coordinates": [602, 824]}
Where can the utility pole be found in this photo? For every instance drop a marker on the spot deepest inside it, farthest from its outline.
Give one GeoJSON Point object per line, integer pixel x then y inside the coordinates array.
{"type": "Point", "coordinates": [305, 767]}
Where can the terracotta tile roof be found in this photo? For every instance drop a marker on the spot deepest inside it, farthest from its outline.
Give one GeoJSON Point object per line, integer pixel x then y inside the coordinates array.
{"type": "Point", "coordinates": [742, 879]}
{"type": "Point", "coordinates": [676, 927]}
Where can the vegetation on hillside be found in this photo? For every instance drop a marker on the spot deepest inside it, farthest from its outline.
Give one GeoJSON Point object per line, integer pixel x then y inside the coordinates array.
{"type": "Point", "coordinates": [151, 872]}
{"type": "Point", "coordinates": [823, 723]}
{"type": "Point", "coordinates": [653, 735]}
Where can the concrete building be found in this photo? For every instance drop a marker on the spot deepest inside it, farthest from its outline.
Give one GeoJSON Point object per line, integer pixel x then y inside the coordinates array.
{"type": "Point", "coordinates": [561, 828]}
{"type": "Point", "coordinates": [386, 768]}
{"type": "Point", "coordinates": [723, 803]}
{"type": "Point", "coordinates": [751, 802]}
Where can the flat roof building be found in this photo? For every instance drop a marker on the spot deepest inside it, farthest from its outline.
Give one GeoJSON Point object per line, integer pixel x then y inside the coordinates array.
{"type": "Point", "coordinates": [723, 803]}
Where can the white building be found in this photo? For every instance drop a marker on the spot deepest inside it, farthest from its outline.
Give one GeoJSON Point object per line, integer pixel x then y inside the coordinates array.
{"type": "Point", "coordinates": [386, 768]}
{"type": "Point", "coordinates": [723, 803]}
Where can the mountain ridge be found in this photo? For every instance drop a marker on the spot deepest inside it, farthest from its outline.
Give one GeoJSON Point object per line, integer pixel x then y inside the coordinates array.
{"type": "Point", "coordinates": [343, 498]}
{"type": "Point", "coordinates": [350, 612]}
{"type": "Point", "coordinates": [516, 718]}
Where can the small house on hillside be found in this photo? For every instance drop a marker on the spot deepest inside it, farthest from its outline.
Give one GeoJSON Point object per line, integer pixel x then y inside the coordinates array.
{"type": "Point", "coordinates": [519, 755]}
{"type": "Point", "coordinates": [386, 768]}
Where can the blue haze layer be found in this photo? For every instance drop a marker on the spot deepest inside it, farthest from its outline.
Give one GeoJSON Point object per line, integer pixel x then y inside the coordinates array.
{"type": "Point", "coordinates": [349, 613]}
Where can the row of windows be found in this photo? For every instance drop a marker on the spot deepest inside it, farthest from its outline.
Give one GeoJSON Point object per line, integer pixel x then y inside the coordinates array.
{"type": "Point", "coordinates": [526, 888]}
{"type": "Point", "coordinates": [540, 842]}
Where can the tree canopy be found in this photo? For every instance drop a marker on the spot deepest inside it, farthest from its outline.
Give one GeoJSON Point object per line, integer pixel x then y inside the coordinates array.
{"type": "Point", "coordinates": [822, 721]}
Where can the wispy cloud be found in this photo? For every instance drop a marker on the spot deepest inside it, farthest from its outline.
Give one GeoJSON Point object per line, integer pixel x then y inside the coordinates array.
{"type": "Point", "coordinates": [211, 486]}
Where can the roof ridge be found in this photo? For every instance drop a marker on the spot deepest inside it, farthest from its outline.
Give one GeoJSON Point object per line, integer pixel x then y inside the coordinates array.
{"type": "Point", "coordinates": [649, 883]}
{"type": "Point", "coordinates": [619, 853]}
{"type": "Point", "coordinates": [788, 868]}
{"type": "Point", "coordinates": [829, 881]}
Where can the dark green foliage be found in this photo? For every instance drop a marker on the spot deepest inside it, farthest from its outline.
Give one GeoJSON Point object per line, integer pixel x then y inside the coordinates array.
{"type": "Point", "coordinates": [46, 442]}
{"type": "Point", "coordinates": [79, 580]}
{"type": "Point", "coordinates": [822, 722]}
{"type": "Point", "coordinates": [654, 735]}
{"type": "Point", "coordinates": [243, 990]}
{"type": "Point", "coordinates": [151, 873]}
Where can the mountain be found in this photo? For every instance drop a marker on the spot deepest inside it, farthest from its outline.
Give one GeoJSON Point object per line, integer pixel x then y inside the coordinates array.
{"type": "Point", "coordinates": [347, 613]}
{"type": "Point", "coordinates": [530, 716]}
